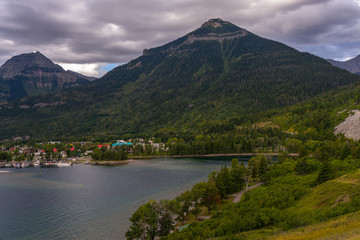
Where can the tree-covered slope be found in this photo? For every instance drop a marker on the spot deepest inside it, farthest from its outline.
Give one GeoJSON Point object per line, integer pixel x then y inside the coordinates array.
{"type": "Point", "coordinates": [287, 201]}
{"type": "Point", "coordinates": [217, 73]}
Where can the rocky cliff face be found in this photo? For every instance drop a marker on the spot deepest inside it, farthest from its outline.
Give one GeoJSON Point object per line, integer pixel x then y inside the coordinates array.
{"type": "Point", "coordinates": [352, 65]}
{"type": "Point", "coordinates": [32, 74]}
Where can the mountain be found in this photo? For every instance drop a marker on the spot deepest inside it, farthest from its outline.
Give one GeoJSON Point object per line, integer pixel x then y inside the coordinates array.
{"type": "Point", "coordinates": [81, 75]}
{"type": "Point", "coordinates": [352, 65]}
{"type": "Point", "coordinates": [33, 74]}
{"type": "Point", "coordinates": [215, 77]}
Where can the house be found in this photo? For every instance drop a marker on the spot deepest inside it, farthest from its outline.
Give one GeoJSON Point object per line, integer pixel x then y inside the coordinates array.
{"type": "Point", "coordinates": [89, 152]}
{"type": "Point", "coordinates": [122, 144]}
{"type": "Point", "coordinates": [63, 154]}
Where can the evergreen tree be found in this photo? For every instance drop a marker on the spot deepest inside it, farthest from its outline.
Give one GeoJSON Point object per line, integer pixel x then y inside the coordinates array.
{"type": "Point", "coordinates": [326, 173]}
{"type": "Point", "coordinates": [185, 202]}
{"type": "Point", "coordinates": [196, 194]}
{"type": "Point", "coordinates": [165, 221]}
{"type": "Point", "coordinates": [224, 182]}
{"type": "Point", "coordinates": [143, 223]}
{"type": "Point", "coordinates": [209, 193]}
{"type": "Point", "coordinates": [263, 165]}
{"type": "Point", "coordinates": [237, 172]}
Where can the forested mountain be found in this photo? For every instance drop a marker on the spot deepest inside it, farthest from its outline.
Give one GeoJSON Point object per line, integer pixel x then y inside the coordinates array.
{"type": "Point", "coordinates": [352, 65]}
{"type": "Point", "coordinates": [217, 74]}
{"type": "Point", "coordinates": [33, 74]}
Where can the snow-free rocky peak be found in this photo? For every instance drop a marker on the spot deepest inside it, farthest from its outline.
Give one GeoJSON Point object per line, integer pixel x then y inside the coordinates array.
{"type": "Point", "coordinates": [19, 63]}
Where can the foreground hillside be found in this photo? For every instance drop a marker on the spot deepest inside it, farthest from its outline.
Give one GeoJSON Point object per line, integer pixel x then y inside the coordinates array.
{"type": "Point", "coordinates": [288, 201]}
{"type": "Point", "coordinates": [217, 74]}
{"type": "Point", "coordinates": [344, 227]}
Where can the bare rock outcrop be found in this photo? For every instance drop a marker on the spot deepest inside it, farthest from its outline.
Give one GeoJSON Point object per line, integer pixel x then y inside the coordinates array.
{"type": "Point", "coordinates": [350, 127]}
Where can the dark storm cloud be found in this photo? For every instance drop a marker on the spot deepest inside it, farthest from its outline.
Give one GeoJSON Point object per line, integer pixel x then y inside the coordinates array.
{"type": "Point", "coordinates": [110, 31]}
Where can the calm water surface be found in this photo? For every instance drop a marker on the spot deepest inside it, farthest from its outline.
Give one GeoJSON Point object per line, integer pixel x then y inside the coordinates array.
{"type": "Point", "coordinates": [91, 202]}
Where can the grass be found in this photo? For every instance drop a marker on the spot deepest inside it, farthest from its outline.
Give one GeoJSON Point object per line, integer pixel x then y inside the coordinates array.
{"type": "Point", "coordinates": [324, 200]}
{"type": "Point", "coordinates": [323, 213]}
{"type": "Point", "coordinates": [344, 227]}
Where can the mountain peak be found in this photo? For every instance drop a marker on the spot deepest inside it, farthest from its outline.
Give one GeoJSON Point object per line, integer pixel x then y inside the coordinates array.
{"type": "Point", "coordinates": [217, 26]}
{"type": "Point", "coordinates": [17, 64]}
{"type": "Point", "coordinates": [215, 22]}
{"type": "Point", "coordinates": [213, 30]}
{"type": "Point", "coordinates": [32, 74]}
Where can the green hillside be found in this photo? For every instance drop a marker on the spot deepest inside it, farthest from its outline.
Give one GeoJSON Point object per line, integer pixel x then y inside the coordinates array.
{"type": "Point", "coordinates": [288, 201]}
{"type": "Point", "coordinates": [322, 204]}
{"type": "Point", "coordinates": [332, 198]}
{"type": "Point", "coordinates": [217, 74]}
{"type": "Point", "coordinates": [344, 227]}
{"type": "Point", "coordinates": [317, 118]}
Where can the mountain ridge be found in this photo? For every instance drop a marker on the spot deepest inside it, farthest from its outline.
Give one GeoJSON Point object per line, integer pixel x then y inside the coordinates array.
{"type": "Point", "coordinates": [82, 76]}
{"type": "Point", "coordinates": [351, 65]}
{"type": "Point", "coordinates": [182, 86]}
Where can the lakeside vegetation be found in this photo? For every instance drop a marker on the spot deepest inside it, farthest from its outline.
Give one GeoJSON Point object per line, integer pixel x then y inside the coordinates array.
{"type": "Point", "coordinates": [297, 192]}
{"type": "Point", "coordinates": [290, 197]}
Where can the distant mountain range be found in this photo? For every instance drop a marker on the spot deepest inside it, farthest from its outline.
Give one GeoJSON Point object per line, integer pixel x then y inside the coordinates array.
{"type": "Point", "coordinates": [33, 74]}
{"type": "Point", "coordinates": [214, 78]}
{"type": "Point", "coordinates": [352, 65]}
{"type": "Point", "coordinates": [82, 76]}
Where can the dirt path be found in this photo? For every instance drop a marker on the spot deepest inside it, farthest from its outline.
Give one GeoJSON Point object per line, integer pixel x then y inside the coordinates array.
{"type": "Point", "coordinates": [239, 194]}
{"type": "Point", "coordinates": [235, 200]}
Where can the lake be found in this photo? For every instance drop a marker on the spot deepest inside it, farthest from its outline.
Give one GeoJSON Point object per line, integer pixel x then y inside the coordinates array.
{"type": "Point", "coordinates": [91, 202]}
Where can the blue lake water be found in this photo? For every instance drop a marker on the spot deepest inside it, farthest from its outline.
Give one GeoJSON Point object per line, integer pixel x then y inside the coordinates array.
{"type": "Point", "coordinates": [91, 202]}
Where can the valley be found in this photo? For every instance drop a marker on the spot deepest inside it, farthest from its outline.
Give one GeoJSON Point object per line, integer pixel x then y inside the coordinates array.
{"type": "Point", "coordinates": [219, 90]}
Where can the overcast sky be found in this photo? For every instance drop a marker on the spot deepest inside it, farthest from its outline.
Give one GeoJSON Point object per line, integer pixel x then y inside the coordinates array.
{"type": "Point", "coordinates": [93, 36]}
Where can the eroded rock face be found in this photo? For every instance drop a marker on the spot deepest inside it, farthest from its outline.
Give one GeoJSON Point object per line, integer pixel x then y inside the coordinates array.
{"type": "Point", "coordinates": [213, 30]}
{"type": "Point", "coordinates": [32, 74]}
{"type": "Point", "coordinates": [350, 127]}
{"type": "Point", "coordinates": [215, 22]}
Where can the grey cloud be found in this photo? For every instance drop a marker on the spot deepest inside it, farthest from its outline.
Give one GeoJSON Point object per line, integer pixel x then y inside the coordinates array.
{"type": "Point", "coordinates": [76, 32]}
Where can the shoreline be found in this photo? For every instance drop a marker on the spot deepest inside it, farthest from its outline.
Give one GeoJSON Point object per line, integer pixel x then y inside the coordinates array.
{"type": "Point", "coordinates": [109, 163]}
{"type": "Point", "coordinates": [209, 155]}
{"type": "Point", "coordinates": [134, 158]}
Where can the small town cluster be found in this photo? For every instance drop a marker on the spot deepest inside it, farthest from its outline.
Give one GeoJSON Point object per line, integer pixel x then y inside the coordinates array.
{"type": "Point", "coordinates": [59, 154]}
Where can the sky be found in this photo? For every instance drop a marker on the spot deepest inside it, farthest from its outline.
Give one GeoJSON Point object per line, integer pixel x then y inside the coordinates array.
{"type": "Point", "coordinates": [92, 37]}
